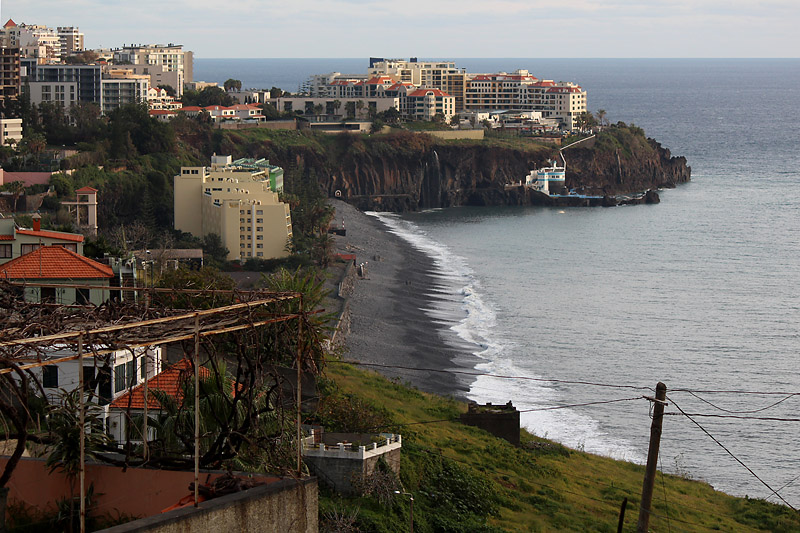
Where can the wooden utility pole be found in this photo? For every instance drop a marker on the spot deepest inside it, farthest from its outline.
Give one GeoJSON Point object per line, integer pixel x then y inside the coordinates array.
{"type": "Point", "coordinates": [622, 515]}
{"type": "Point", "coordinates": [652, 458]}
{"type": "Point", "coordinates": [300, 389]}
{"type": "Point", "coordinates": [82, 424]}
{"type": "Point", "coordinates": [196, 409]}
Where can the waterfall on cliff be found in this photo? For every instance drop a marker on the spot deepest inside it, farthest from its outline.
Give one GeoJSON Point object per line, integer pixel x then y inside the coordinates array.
{"type": "Point", "coordinates": [431, 187]}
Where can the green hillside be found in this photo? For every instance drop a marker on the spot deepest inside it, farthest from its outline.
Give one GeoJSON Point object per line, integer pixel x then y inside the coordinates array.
{"type": "Point", "coordinates": [494, 486]}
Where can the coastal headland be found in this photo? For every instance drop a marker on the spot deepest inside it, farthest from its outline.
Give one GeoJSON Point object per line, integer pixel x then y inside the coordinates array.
{"type": "Point", "coordinates": [406, 171]}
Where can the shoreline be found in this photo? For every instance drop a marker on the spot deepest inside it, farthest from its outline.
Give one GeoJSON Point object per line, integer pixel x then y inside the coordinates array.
{"type": "Point", "coordinates": [388, 324]}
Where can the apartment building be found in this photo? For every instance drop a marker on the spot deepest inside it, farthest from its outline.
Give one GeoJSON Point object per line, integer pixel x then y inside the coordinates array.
{"type": "Point", "coordinates": [443, 75]}
{"type": "Point", "coordinates": [121, 87]}
{"type": "Point", "coordinates": [561, 101]}
{"type": "Point", "coordinates": [236, 200]}
{"type": "Point", "coordinates": [352, 107]}
{"type": "Point", "coordinates": [45, 80]}
{"type": "Point", "coordinates": [10, 70]}
{"type": "Point", "coordinates": [11, 130]}
{"type": "Point", "coordinates": [425, 104]}
{"type": "Point", "coordinates": [71, 40]}
{"type": "Point", "coordinates": [171, 57]}
{"type": "Point", "coordinates": [39, 42]}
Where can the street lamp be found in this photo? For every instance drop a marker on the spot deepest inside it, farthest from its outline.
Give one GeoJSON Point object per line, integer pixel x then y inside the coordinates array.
{"type": "Point", "coordinates": [411, 510]}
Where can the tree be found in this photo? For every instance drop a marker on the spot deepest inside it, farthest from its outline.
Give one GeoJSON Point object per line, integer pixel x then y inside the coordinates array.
{"type": "Point", "coordinates": [214, 250]}
{"type": "Point", "coordinates": [82, 58]}
{"type": "Point", "coordinates": [169, 89]}
{"type": "Point", "coordinates": [17, 189]}
{"type": "Point", "coordinates": [276, 92]}
{"type": "Point", "coordinates": [336, 105]}
{"type": "Point", "coordinates": [318, 109]}
{"type": "Point", "coordinates": [360, 106]}
{"type": "Point", "coordinates": [350, 109]}
{"type": "Point", "coordinates": [601, 116]}
{"type": "Point", "coordinates": [231, 85]}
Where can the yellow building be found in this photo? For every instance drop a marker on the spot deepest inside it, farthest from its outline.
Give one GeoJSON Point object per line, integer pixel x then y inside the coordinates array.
{"type": "Point", "coordinates": [236, 203]}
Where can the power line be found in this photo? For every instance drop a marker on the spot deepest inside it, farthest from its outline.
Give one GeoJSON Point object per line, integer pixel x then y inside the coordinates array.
{"type": "Point", "coordinates": [773, 491]}
{"type": "Point", "coordinates": [535, 409]}
{"type": "Point", "coordinates": [498, 376]}
{"type": "Point", "coordinates": [770, 406]}
{"type": "Point", "coordinates": [565, 381]}
{"type": "Point", "coordinates": [738, 417]}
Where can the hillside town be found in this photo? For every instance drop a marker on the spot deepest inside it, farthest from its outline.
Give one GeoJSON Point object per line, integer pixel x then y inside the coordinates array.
{"type": "Point", "coordinates": [180, 264]}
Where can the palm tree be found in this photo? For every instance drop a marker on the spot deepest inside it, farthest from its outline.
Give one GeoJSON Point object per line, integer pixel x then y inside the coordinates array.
{"type": "Point", "coordinates": [17, 189]}
{"type": "Point", "coordinates": [336, 105]}
{"type": "Point", "coordinates": [360, 106]}
{"type": "Point", "coordinates": [601, 116]}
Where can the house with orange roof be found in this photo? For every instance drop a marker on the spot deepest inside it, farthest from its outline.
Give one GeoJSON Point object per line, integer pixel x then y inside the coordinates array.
{"type": "Point", "coordinates": [16, 241]}
{"type": "Point", "coordinates": [131, 402]}
{"type": "Point", "coordinates": [68, 278]}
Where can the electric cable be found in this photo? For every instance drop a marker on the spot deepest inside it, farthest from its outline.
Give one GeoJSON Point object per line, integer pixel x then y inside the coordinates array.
{"type": "Point", "coordinates": [731, 454]}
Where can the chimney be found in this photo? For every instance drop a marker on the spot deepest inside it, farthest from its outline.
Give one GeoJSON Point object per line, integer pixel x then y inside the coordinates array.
{"type": "Point", "coordinates": [37, 222]}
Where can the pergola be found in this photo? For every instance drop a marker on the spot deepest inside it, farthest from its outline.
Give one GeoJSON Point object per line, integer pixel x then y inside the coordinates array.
{"type": "Point", "coordinates": [29, 330]}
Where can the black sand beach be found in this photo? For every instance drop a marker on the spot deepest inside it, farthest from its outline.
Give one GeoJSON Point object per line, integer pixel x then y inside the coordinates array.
{"type": "Point", "coordinates": [388, 326]}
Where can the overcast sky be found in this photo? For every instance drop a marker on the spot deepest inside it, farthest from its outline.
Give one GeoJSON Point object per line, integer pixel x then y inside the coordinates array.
{"type": "Point", "coordinates": [437, 28]}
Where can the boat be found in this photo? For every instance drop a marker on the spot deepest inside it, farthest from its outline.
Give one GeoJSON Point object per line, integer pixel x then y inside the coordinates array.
{"type": "Point", "coordinates": [550, 179]}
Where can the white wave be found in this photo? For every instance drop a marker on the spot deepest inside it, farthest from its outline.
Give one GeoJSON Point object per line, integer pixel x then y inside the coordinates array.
{"type": "Point", "coordinates": [456, 279]}
{"type": "Point", "coordinates": [479, 318]}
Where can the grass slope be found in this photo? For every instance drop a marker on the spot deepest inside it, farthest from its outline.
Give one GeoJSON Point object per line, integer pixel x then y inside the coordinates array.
{"type": "Point", "coordinates": [541, 486]}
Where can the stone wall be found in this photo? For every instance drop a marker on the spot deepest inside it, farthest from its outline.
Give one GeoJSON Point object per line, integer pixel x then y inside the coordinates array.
{"type": "Point", "coordinates": [500, 420]}
{"type": "Point", "coordinates": [287, 506]}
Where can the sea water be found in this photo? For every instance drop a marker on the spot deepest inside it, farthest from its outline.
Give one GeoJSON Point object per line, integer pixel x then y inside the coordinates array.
{"type": "Point", "coordinates": [700, 291]}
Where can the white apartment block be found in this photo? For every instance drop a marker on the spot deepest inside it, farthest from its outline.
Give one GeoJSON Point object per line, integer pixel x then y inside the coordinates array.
{"type": "Point", "coordinates": [40, 42]}
{"type": "Point", "coordinates": [425, 104]}
{"type": "Point", "coordinates": [171, 57]}
{"type": "Point", "coordinates": [12, 131]}
{"type": "Point", "coordinates": [121, 87]}
{"type": "Point", "coordinates": [71, 40]}
{"type": "Point", "coordinates": [238, 204]}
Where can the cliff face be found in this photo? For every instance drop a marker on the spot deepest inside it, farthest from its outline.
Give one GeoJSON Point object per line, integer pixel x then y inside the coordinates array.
{"type": "Point", "coordinates": [407, 172]}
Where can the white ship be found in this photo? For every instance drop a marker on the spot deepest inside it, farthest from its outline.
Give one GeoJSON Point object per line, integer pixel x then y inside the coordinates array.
{"type": "Point", "coordinates": [550, 179]}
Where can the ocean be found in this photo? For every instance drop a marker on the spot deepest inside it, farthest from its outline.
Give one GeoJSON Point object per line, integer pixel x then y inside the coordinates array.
{"type": "Point", "coordinates": [699, 292]}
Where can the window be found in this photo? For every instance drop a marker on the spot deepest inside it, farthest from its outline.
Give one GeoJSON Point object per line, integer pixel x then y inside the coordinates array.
{"type": "Point", "coordinates": [28, 248]}
{"type": "Point", "coordinates": [82, 296]}
{"type": "Point", "coordinates": [50, 376]}
{"type": "Point", "coordinates": [119, 378]}
{"type": "Point", "coordinates": [258, 220]}
{"type": "Point", "coordinates": [130, 371]}
{"type": "Point", "coordinates": [88, 378]}
{"type": "Point", "coordinates": [48, 295]}
{"type": "Point", "coordinates": [5, 250]}
{"type": "Point", "coordinates": [260, 237]}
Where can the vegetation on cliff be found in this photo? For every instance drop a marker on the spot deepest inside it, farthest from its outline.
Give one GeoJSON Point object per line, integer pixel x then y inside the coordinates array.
{"type": "Point", "coordinates": [464, 479]}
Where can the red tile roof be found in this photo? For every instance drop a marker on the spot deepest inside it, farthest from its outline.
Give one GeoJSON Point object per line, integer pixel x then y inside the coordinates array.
{"type": "Point", "coordinates": [72, 237]}
{"type": "Point", "coordinates": [10, 24]}
{"type": "Point", "coordinates": [423, 92]}
{"type": "Point", "coordinates": [191, 108]}
{"type": "Point", "coordinates": [86, 189]}
{"type": "Point", "coordinates": [54, 262]}
{"type": "Point", "coordinates": [169, 381]}
{"type": "Point", "coordinates": [161, 112]}
{"type": "Point", "coordinates": [6, 237]}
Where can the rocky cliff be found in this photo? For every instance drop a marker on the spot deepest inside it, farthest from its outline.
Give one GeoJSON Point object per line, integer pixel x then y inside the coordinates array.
{"type": "Point", "coordinates": [409, 172]}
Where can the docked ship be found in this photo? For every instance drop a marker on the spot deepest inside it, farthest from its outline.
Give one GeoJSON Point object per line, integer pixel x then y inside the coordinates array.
{"type": "Point", "coordinates": [550, 180]}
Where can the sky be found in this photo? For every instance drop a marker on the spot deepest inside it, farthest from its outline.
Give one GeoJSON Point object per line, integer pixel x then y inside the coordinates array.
{"type": "Point", "coordinates": [431, 28]}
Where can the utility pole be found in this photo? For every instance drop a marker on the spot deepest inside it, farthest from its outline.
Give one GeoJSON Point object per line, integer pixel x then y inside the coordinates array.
{"type": "Point", "coordinates": [652, 458]}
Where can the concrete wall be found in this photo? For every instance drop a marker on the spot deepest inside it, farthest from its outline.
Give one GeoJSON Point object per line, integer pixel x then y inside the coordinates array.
{"type": "Point", "coordinates": [136, 491]}
{"type": "Point", "coordinates": [457, 134]}
{"type": "Point", "coordinates": [500, 420]}
{"type": "Point", "coordinates": [286, 506]}
{"type": "Point", "coordinates": [269, 125]}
